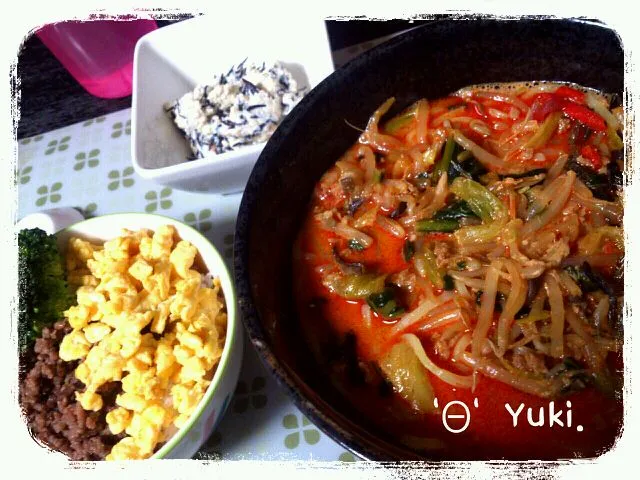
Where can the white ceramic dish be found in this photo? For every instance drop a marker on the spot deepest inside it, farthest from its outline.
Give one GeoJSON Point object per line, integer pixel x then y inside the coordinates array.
{"type": "Point", "coordinates": [51, 220]}
{"type": "Point", "coordinates": [172, 60]}
{"type": "Point", "coordinates": [186, 442]}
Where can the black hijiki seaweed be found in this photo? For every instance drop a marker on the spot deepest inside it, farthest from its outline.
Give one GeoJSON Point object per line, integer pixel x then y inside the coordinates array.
{"type": "Point", "coordinates": [222, 141]}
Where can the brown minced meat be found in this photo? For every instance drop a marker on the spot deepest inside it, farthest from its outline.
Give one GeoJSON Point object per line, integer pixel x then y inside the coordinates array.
{"type": "Point", "coordinates": [47, 394]}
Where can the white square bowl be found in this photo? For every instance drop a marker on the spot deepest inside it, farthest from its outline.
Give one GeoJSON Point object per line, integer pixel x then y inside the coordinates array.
{"type": "Point", "coordinates": [172, 60]}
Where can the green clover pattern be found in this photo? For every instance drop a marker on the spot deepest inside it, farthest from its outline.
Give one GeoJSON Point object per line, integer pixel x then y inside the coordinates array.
{"type": "Point", "coordinates": [201, 221]}
{"type": "Point", "coordinates": [309, 433]}
{"type": "Point", "coordinates": [91, 121]}
{"type": "Point", "coordinates": [154, 199]}
{"type": "Point", "coordinates": [244, 397]}
{"type": "Point", "coordinates": [23, 176]}
{"type": "Point", "coordinates": [61, 145]}
{"type": "Point", "coordinates": [118, 128]}
{"type": "Point", "coordinates": [89, 210]}
{"type": "Point", "coordinates": [48, 194]}
{"type": "Point", "coordinates": [90, 158]}
{"type": "Point", "coordinates": [347, 457]}
{"type": "Point", "coordinates": [27, 141]}
{"type": "Point", "coordinates": [116, 176]}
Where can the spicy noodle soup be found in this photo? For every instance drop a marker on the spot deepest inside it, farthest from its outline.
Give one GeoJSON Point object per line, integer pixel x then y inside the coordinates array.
{"type": "Point", "coordinates": [471, 249]}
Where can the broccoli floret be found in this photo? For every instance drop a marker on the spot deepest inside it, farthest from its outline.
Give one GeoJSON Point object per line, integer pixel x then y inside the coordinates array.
{"type": "Point", "coordinates": [43, 292]}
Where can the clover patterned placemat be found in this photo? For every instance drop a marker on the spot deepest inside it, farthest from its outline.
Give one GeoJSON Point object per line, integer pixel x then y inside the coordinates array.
{"type": "Point", "coordinates": [88, 166]}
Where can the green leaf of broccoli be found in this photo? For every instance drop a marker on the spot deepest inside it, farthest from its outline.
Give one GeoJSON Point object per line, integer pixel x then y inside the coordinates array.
{"type": "Point", "coordinates": [43, 292]}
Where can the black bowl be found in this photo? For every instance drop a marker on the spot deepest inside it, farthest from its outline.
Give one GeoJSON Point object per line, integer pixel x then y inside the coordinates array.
{"type": "Point", "coordinates": [430, 61]}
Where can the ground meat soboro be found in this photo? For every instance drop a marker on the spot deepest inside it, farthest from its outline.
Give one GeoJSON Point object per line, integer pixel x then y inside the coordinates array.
{"type": "Point", "coordinates": [47, 396]}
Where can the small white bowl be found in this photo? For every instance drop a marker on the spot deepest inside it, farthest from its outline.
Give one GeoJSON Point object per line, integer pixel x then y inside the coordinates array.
{"type": "Point", "coordinates": [51, 220]}
{"type": "Point", "coordinates": [172, 60]}
{"type": "Point", "coordinates": [205, 418]}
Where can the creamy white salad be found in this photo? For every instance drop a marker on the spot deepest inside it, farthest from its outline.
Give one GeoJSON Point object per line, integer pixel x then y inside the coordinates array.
{"type": "Point", "coordinates": [242, 107]}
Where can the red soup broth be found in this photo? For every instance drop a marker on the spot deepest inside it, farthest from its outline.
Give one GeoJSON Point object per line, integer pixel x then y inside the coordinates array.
{"type": "Point", "coordinates": [397, 151]}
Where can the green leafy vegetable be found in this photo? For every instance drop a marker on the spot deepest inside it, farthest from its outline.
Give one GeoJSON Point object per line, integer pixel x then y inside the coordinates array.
{"type": "Point", "coordinates": [574, 376]}
{"type": "Point", "coordinates": [479, 199]}
{"type": "Point", "coordinates": [404, 371]}
{"type": "Point", "coordinates": [598, 183]}
{"type": "Point", "coordinates": [485, 205]}
{"type": "Point", "coordinates": [43, 293]}
{"type": "Point", "coordinates": [469, 167]}
{"type": "Point", "coordinates": [427, 267]}
{"type": "Point", "coordinates": [584, 277]}
{"type": "Point", "coordinates": [355, 245]}
{"type": "Point", "coordinates": [455, 211]}
{"type": "Point", "coordinates": [571, 363]}
{"type": "Point", "coordinates": [447, 281]}
{"type": "Point", "coordinates": [356, 286]}
{"type": "Point", "coordinates": [384, 303]}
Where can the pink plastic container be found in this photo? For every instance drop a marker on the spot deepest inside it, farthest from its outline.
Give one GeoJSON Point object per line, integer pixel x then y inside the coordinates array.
{"type": "Point", "coordinates": [97, 53]}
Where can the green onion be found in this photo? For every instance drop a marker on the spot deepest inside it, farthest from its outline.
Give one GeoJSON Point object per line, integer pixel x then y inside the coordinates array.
{"type": "Point", "coordinates": [396, 123]}
{"type": "Point", "coordinates": [437, 226]}
{"type": "Point", "coordinates": [442, 165]}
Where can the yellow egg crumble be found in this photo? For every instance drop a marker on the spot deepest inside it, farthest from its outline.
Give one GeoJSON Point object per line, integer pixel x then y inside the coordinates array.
{"type": "Point", "coordinates": [143, 281]}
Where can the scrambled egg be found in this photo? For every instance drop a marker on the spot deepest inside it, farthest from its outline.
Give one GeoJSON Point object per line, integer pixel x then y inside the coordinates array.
{"type": "Point", "coordinates": [144, 317]}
